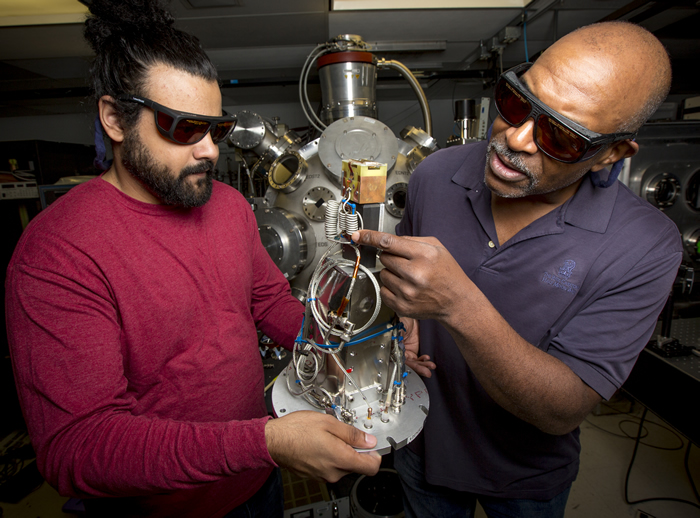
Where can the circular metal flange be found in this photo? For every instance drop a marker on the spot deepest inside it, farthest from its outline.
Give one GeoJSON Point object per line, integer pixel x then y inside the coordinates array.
{"type": "Point", "coordinates": [290, 242]}
{"type": "Point", "coordinates": [358, 138]}
{"type": "Point", "coordinates": [378, 496]}
{"type": "Point", "coordinates": [692, 244]}
{"type": "Point", "coordinates": [692, 191]}
{"type": "Point", "coordinates": [287, 172]}
{"type": "Point", "coordinates": [395, 201]}
{"type": "Point", "coordinates": [663, 190]}
{"type": "Point", "coordinates": [314, 203]}
{"type": "Point", "coordinates": [249, 130]}
{"type": "Point", "coordinates": [401, 428]}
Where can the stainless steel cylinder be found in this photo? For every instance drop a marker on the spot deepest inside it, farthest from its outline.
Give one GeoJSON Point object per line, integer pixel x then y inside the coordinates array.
{"type": "Point", "coordinates": [348, 85]}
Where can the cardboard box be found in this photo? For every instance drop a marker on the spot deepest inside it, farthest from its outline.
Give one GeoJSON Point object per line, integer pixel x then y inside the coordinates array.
{"type": "Point", "coordinates": [364, 181]}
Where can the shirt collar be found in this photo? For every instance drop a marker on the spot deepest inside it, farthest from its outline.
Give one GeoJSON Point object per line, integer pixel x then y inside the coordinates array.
{"type": "Point", "coordinates": [590, 208]}
{"type": "Point", "coordinates": [474, 160]}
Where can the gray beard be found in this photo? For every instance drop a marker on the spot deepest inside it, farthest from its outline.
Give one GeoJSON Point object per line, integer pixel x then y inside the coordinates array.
{"type": "Point", "coordinates": [517, 162]}
{"type": "Point", "coordinates": [158, 180]}
{"type": "Point", "coordinates": [533, 187]}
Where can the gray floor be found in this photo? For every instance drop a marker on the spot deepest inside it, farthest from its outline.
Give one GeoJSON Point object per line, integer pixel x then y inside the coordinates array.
{"type": "Point", "coordinates": [598, 491]}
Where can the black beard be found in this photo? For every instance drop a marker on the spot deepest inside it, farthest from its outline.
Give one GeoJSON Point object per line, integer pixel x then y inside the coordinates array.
{"type": "Point", "coordinates": [159, 181]}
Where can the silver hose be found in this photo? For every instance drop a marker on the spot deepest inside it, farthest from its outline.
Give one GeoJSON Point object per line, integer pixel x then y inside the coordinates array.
{"type": "Point", "coordinates": [408, 76]}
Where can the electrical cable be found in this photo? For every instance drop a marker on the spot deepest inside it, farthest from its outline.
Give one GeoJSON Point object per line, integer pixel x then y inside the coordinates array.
{"type": "Point", "coordinates": [303, 86]}
{"type": "Point", "coordinates": [353, 342]}
{"type": "Point", "coordinates": [269, 385]}
{"type": "Point", "coordinates": [625, 435]}
{"type": "Point", "coordinates": [411, 110]}
{"type": "Point", "coordinates": [621, 435]}
{"type": "Point", "coordinates": [629, 470]}
{"type": "Point", "coordinates": [251, 185]}
{"type": "Point", "coordinates": [674, 448]}
{"type": "Point", "coordinates": [527, 56]}
{"type": "Point", "coordinates": [687, 472]}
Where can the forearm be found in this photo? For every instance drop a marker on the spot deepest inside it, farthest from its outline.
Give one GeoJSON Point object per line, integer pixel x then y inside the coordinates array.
{"type": "Point", "coordinates": [527, 382]}
{"type": "Point", "coordinates": [283, 321]}
{"type": "Point", "coordinates": [119, 454]}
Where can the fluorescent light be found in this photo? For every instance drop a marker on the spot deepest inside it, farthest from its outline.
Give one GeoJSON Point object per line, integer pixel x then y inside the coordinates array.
{"type": "Point", "coordinates": [362, 5]}
{"type": "Point", "coordinates": [41, 12]}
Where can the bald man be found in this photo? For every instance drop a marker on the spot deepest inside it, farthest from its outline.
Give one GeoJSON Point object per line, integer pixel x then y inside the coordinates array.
{"type": "Point", "coordinates": [532, 278]}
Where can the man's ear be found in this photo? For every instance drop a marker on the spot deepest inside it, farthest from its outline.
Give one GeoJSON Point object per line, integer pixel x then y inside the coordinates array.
{"type": "Point", "coordinates": [622, 149]}
{"type": "Point", "coordinates": [111, 122]}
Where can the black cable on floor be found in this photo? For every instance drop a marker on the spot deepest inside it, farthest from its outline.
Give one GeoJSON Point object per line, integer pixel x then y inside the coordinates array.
{"type": "Point", "coordinates": [680, 440]}
{"type": "Point", "coordinates": [629, 470]}
{"type": "Point", "coordinates": [625, 435]}
{"type": "Point", "coordinates": [687, 471]}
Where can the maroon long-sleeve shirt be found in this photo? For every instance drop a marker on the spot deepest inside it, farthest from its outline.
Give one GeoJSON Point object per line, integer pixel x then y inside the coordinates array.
{"type": "Point", "coordinates": [132, 331]}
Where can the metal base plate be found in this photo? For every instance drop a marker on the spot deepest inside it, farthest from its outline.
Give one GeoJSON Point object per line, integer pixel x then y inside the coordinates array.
{"type": "Point", "coordinates": [402, 427]}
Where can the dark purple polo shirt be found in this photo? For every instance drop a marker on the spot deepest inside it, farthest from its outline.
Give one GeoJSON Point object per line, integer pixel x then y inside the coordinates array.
{"type": "Point", "coordinates": [585, 283]}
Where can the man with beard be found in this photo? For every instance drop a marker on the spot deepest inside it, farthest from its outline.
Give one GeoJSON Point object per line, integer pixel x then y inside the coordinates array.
{"type": "Point", "coordinates": [530, 277]}
{"type": "Point", "coordinates": [133, 304]}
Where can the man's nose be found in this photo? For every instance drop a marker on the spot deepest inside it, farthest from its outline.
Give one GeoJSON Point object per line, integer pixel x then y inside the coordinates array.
{"type": "Point", "coordinates": [206, 149]}
{"type": "Point", "coordinates": [521, 139]}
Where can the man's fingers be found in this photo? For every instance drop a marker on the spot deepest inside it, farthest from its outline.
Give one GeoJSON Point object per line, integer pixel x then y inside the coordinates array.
{"type": "Point", "coordinates": [424, 369]}
{"type": "Point", "coordinates": [379, 240]}
{"type": "Point", "coordinates": [366, 463]}
{"type": "Point", "coordinates": [390, 243]}
{"type": "Point", "coordinates": [352, 436]}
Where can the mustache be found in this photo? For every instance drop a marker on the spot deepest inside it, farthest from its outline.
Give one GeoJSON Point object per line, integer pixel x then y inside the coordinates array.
{"type": "Point", "coordinates": [515, 159]}
{"type": "Point", "coordinates": [205, 166]}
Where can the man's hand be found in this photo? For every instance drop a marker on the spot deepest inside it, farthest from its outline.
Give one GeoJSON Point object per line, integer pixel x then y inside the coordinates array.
{"type": "Point", "coordinates": [421, 364]}
{"type": "Point", "coordinates": [420, 279]}
{"type": "Point", "coordinates": [317, 445]}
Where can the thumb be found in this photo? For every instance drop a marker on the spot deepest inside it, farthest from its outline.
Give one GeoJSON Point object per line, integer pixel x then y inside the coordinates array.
{"type": "Point", "coordinates": [353, 436]}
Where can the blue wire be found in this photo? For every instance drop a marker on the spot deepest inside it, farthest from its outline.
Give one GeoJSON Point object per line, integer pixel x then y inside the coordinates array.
{"type": "Point", "coordinates": [527, 55]}
{"type": "Point", "coordinates": [370, 337]}
{"type": "Point", "coordinates": [333, 345]}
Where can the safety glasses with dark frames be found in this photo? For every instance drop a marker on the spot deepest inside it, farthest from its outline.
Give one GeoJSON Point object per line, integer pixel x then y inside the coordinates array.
{"type": "Point", "coordinates": [556, 136]}
{"type": "Point", "coordinates": [186, 128]}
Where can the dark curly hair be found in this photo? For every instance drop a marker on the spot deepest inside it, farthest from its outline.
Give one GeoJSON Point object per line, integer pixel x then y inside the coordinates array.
{"type": "Point", "coordinates": [131, 36]}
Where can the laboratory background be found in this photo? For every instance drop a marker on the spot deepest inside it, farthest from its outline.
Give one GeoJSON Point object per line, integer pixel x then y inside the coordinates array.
{"type": "Point", "coordinates": [318, 84]}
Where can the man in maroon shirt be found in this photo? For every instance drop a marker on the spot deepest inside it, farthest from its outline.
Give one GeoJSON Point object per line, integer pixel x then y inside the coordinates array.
{"type": "Point", "coordinates": [133, 305]}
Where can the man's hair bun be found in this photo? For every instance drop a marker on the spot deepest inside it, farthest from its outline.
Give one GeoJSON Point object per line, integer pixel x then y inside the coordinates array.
{"type": "Point", "coordinates": [129, 38]}
{"type": "Point", "coordinates": [110, 21]}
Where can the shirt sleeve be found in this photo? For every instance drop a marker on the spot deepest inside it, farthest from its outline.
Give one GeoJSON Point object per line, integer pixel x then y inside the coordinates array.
{"type": "Point", "coordinates": [602, 341]}
{"type": "Point", "coordinates": [64, 336]}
